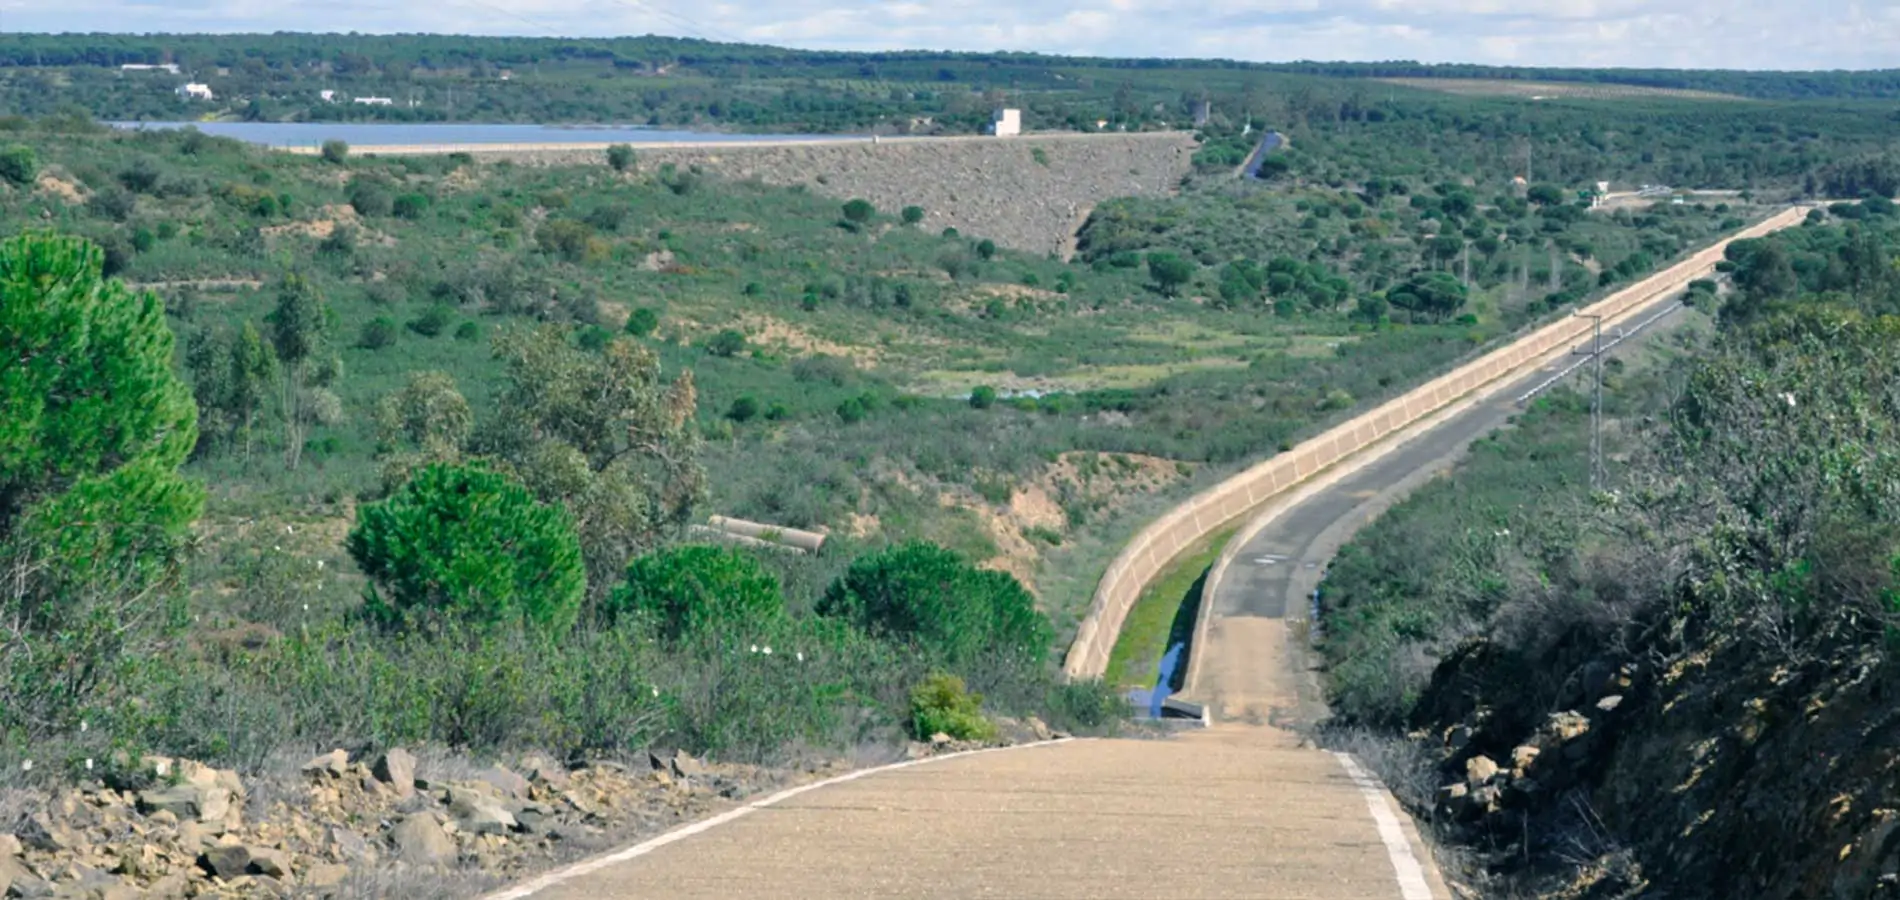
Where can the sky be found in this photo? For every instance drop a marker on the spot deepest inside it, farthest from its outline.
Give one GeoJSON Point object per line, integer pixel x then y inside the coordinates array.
{"type": "Point", "coordinates": [1733, 34]}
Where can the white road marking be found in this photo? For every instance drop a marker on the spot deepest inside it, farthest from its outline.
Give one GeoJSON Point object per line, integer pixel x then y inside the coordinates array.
{"type": "Point", "coordinates": [1412, 883]}
{"type": "Point", "coordinates": [589, 866]}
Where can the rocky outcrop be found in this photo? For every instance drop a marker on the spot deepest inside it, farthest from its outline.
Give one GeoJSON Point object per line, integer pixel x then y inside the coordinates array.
{"type": "Point", "coordinates": [1029, 193]}
{"type": "Point", "coordinates": [175, 828]}
{"type": "Point", "coordinates": [1701, 770]}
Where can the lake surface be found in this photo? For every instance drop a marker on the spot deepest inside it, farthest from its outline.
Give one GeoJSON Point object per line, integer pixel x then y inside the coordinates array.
{"type": "Point", "coordinates": [360, 134]}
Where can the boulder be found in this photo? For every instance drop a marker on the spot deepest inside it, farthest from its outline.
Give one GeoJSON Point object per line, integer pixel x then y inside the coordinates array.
{"type": "Point", "coordinates": [940, 740]}
{"type": "Point", "coordinates": [324, 875]}
{"type": "Point", "coordinates": [420, 841]}
{"type": "Point", "coordinates": [685, 766]}
{"type": "Point", "coordinates": [9, 847]}
{"type": "Point", "coordinates": [1039, 728]}
{"type": "Point", "coordinates": [335, 762]}
{"type": "Point", "coordinates": [478, 814]}
{"type": "Point", "coordinates": [10, 870]}
{"type": "Point", "coordinates": [1610, 703]}
{"type": "Point", "coordinates": [505, 781]}
{"type": "Point", "coordinates": [1523, 757]}
{"type": "Point", "coordinates": [38, 832]}
{"type": "Point", "coordinates": [227, 861]}
{"type": "Point", "coordinates": [396, 768]}
{"type": "Point", "coordinates": [189, 802]}
{"type": "Point", "coordinates": [1479, 770]}
{"type": "Point", "coordinates": [28, 886]}
{"type": "Point", "coordinates": [1566, 726]}
{"type": "Point", "coordinates": [349, 845]}
{"type": "Point", "coordinates": [542, 770]}
{"type": "Point", "coordinates": [268, 861]}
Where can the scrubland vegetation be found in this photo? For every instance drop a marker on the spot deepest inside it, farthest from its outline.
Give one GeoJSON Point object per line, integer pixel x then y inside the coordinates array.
{"type": "Point", "coordinates": [1713, 624]}
{"type": "Point", "coordinates": [355, 373]}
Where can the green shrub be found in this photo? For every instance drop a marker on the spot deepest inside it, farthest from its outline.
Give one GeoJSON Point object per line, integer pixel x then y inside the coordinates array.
{"type": "Point", "coordinates": [565, 238]}
{"type": "Point", "coordinates": [913, 215]}
{"type": "Point", "coordinates": [19, 164]}
{"type": "Point", "coordinates": [410, 206]}
{"type": "Point", "coordinates": [852, 410]}
{"type": "Point", "coordinates": [642, 322]}
{"type": "Point", "coordinates": [745, 408]}
{"type": "Point", "coordinates": [620, 157]}
{"type": "Point", "coordinates": [463, 542]}
{"type": "Point", "coordinates": [335, 151]}
{"type": "Point", "coordinates": [927, 596]}
{"type": "Point", "coordinates": [726, 343]}
{"type": "Point", "coordinates": [986, 248]}
{"type": "Point", "coordinates": [983, 397]}
{"type": "Point", "coordinates": [433, 320]}
{"type": "Point", "coordinates": [859, 211]}
{"type": "Point", "coordinates": [468, 331]}
{"type": "Point", "coordinates": [683, 591]}
{"type": "Point", "coordinates": [371, 197]}
{"type": "Point", "coordinates": [378, 333]}
{"type": "Point", "coordinates": [942, 705]}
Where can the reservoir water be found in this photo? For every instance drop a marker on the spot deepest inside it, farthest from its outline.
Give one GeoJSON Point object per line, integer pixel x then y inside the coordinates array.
{"type": "Point", "coordinates": [378, 134]}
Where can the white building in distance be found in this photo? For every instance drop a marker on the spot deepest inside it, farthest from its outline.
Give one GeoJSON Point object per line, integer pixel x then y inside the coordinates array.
{"type": "Point", "coordinates": [328, 96]}
{"type": "Point", "coordinates": [1008, 123]}
{"type": "Point", "coordinates": [375, 101]}
{"type": "Point", "coordinates": [143, 67]}
{"type": "Point", "coordinates": [196, 91]}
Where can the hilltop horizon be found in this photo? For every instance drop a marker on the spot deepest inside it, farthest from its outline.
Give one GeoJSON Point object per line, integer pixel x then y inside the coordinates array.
{"type": "Point", "coordinates": [1835, 35]}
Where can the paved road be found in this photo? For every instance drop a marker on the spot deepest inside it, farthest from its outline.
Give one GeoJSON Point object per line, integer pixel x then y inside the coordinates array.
{"type": "Point", "coordinates": [1221, 813]}
{"type": "Point", "coordinates": [1263, 601]}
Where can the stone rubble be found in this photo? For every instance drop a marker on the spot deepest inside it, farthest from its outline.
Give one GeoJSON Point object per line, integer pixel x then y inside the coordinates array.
{"type": "Point", "coordinates": [176, 828]}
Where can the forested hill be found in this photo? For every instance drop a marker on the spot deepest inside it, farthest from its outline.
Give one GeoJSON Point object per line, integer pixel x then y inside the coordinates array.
{"type": "Point", "coordinates": [408, 55]}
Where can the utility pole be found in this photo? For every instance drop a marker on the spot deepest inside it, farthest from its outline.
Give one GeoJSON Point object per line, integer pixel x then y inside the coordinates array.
{"type": "Point", "coordinates": [1596, 401]}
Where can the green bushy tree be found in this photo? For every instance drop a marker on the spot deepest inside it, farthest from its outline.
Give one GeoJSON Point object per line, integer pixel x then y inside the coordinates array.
{"type": "Point", "coordinates": [94, 515]}
{"type": "Point", "coordinates": [683, 591]}
{"type": "Point", "coordinates": [923, 594]}
{"type": "Point", "coordinates": [1170, 272]}
{"type": "Point", "coordinates": [464, 542]}
{"type": "Point", "coordinates": [859, 211]}
{"type": "Point", "coordinates": [601, 433]}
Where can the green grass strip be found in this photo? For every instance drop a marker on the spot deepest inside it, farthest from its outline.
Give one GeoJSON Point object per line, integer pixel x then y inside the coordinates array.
{"type": "Point", "coordinates": [1164, 614]}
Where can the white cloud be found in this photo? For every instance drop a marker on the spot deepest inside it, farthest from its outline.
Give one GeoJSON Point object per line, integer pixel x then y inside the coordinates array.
{"type": "Point", "coordinates": [1786, 34]}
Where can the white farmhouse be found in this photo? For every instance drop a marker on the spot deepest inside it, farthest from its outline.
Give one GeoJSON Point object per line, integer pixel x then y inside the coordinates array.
{"type": "Point", "coordinates": [1008, 123]}
{"type": "Point", "coordinates": [143, 67]}
{"type": "Point", "coordinates": [195, 91]}
{"type": "Point", "coordinates": [375, 101]}
{"type": "Point", "coordinates": [327, 95]}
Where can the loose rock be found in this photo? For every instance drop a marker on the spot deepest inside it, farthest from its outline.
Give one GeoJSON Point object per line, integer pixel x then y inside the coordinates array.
{"type": "Point", "coordinates": [507, 782]}
{"type": "Point", "coordinates": [335, 762]}
{"type": "Point", "coordinates": [1480, 770]}
{"type": "Point", "coordinates": [396, 768]}
{"type": "Point", "coordinates": [422, 842]}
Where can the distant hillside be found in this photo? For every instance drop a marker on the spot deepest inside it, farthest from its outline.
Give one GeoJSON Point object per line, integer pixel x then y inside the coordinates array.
{"type": "Point", "coordinates": [660, 80]}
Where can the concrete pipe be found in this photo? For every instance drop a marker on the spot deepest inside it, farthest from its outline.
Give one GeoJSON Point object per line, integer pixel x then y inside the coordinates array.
{"type": "Point", "coordinates": [809, 541]}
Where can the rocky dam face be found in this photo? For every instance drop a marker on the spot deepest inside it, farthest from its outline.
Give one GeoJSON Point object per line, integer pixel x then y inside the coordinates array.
{"type": "Point", "coordinates": [1028, 193]}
